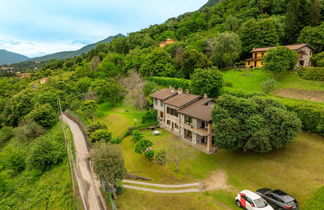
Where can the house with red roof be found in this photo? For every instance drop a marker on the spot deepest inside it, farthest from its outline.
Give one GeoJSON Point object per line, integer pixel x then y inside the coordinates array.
{"type": "Point", "coordinates": [305, 52]}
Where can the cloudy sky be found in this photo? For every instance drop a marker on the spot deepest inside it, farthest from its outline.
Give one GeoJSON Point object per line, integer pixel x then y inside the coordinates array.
{"type": "Point", "coordinates": [38, 27]}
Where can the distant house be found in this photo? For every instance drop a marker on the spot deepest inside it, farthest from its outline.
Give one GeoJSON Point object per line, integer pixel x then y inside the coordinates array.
{"type": "Point", "coordinates": [186, 115]}
{"type": "Point", "coordinates": [166, 43]}
{"type": "Point", "coordinates": [23, 75]}
{"type": "Point", "coordinates": [43, 80]}
{"type": "Point", "coordinates": [304, 51]}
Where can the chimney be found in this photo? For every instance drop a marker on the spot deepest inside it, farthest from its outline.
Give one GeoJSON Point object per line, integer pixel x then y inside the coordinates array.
{"type": "Point", "coordinates": [205, 95]}
{"type": "Point", "coordinates": [187, 91]}
{"type": "Point", "coordinates": [180, 91]}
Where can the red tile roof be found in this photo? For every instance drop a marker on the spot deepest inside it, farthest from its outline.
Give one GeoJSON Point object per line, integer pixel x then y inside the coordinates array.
{"type": "Point", "coordinates": [199, 109]}
{"type": "Point", "coordinates": [292, 47]}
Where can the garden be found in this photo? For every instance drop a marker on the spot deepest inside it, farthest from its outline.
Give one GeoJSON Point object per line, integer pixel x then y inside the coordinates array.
{"type": "Point", "coordinates": [300, 161]}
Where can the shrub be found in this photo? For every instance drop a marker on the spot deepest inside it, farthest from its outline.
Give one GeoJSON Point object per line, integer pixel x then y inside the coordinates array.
{"type": "Point", "coordinates": [311, 115]}
{"type": "Point", "coordinates": [142, 146]}
{"type": "Point", "coordinates": [269, 85]}
{"type": "Point", "coordinates": [44, 115]}
{"type": "Point", "coordinates": [101, 135]}
{"type": "Point", "coordinates": [312, 73]}
{"type": "Point", "coordinates": [44, 154]}
{"type": "Point", "coordinates": [280, 59]}
{"type": "Point", "coordinates": [149, 116]}
{"type": "Point", "coordinates": [258, 124]}
{"type": "Point", "coordinates": [6, 133]}
{"type": "Point", "coordinates": [14, 159]}
{"type": "Point", "coordinates": [169, 81]}
{"type": "Point", "coordinates": [137, 135]}
{"type": "Point", "coordinates": [116, 141]}
{"type": "Point", "coordinates": [95, 126]}
{"type": "Point", "coordinates": [28, 131]}
{"type": "Point", "coordinates": [241, 93]}
{"type": "Point", "coordinates": [160, 157]}
{"type": "Point", "coordinates": [318, 60]}
{"type": "Point", "coordinates": [149, 155]}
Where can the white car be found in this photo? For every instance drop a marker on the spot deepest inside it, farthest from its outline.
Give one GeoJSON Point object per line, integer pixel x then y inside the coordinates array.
{"type": "Point", "coordinates": [251, 201]}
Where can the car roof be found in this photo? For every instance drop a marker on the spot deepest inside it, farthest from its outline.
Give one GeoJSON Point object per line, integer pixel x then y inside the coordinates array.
{"type": "Point", "coordinates": [284, 196]}
{"type": "Point", "coordinates": [251, 194]}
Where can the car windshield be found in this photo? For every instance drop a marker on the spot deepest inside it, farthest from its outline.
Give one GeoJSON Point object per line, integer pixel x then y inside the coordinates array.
{"type": "Point", "coordinates": [260, 203]}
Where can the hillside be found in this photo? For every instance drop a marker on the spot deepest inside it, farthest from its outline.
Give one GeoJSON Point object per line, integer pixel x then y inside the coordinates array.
{"type": "Point", "coordinates": [210, 3]}
{"type": "Point", "coordinates": [7, 57]}
{"type": "Point", "coordinates": [71, 54]}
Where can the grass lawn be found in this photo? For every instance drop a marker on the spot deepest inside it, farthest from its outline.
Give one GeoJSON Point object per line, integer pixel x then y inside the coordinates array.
{"type": "Point", "coordinates": [292, 80]}
{"type": "Point", "coordinates": [252, 80]}
{"type": "Point", "coordinates": [246, 80]}
{"type": "Point", "coordinates": [118, 119]}
{"type": "Point", "coordinates": [298, 169]}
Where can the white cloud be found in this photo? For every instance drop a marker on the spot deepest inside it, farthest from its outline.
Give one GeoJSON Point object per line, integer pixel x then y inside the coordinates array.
{"type": "Point", "coordinates": [35, 49]}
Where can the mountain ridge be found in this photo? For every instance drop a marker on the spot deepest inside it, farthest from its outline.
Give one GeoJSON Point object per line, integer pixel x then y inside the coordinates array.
{"type": "Point", "coordinates": [70, 54]}
{"type": "Point", "coordinates": [8, 57]}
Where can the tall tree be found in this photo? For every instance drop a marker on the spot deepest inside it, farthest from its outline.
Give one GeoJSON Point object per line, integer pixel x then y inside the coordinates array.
{"type": "Point", "coordinates": [108, 163]}
{"type": "Point", "coordinates": [226, 48]}
{"type": "Point", "coordinates": [192, 59]}
{"type": "Point", "coordinates": [260, 33]}
{"type": "Point", "coordinates": [296, 19]}
{"type": "Point", "coordinates": [209, 81]}
{"type": "Point", "coordinates": [314, 10]}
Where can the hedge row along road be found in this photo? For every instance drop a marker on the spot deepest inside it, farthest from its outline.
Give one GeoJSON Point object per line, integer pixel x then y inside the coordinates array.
{"type": "Point", "coordinates": [89, 187]}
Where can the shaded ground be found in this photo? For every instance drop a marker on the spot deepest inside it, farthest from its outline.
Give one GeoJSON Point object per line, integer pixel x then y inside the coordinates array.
{"type": "Point", "coordinates": [311, 95]}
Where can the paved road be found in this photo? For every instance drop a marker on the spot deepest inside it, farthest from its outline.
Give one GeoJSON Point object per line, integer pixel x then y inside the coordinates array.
{"type": "Point", "coordinates": [88, 186]}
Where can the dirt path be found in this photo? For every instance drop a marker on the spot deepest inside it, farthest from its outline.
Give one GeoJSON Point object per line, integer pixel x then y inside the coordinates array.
{"type": "Point", "coordinates": [162, 185]}
{"type": "Point", "coordinates": [310, 95]}
{"type": "Point", "coordinates": [88, 186]}
{"type": "Point", "coordinates": [161, 191]}
{"type": "Point", "coordinates": [217, 181]}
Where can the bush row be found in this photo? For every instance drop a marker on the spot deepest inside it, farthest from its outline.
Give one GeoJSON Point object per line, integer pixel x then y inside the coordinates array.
{"type": "Point", "coordinates": [311, 114]}
{"type": "Point", "coordinates": [174, 82]}
{"type": "Point", "coordinates": [312, 73]}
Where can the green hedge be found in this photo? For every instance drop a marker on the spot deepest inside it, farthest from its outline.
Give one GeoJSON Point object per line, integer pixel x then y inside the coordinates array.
{"type": "Point", "coordinates": [169, 81]}
{"type": "Point", "coordinates": [241, 93]}
{"type": "Point", "coordinates": [310, 113]}
{"type": "Point", "coordinates": [312, 73]}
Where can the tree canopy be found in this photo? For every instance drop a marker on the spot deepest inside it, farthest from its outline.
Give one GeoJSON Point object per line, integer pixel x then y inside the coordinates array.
{"type": "Point", "coordinates": [257, 124]}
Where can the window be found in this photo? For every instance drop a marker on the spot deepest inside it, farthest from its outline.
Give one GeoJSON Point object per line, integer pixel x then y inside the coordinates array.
{"type": "Point", "coordinates": [261, 63]}
{"type": "Point", "coordinates": [262, 55]}
{"type": "Point", "coordinates": [172, 111]}
{"type": "Point", "coordinates": [168, 122]}
{"type": "Point", "coordinates": [249, 63]}
{"type": "Point", "coordinates": [176, 126]}
{"type": "Point", "coordinates": [161, 114]}
{"type": "Point", "coordinates": [161, 102]}
{"type": "Point", "coordinates": [156, 101]}
{"type": "Point", "coordinates": [188, 120]}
